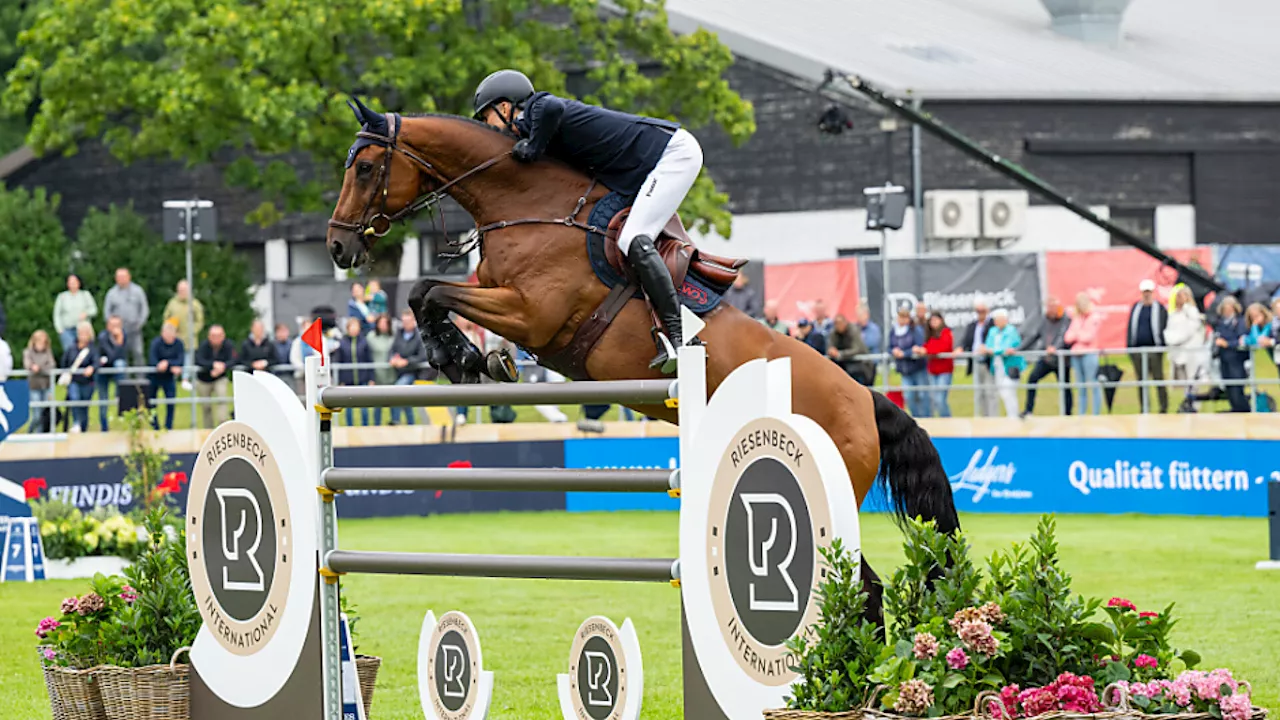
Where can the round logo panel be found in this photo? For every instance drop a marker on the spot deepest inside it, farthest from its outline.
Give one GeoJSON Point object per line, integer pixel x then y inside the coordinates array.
{"type": "Point", "coordinates": [767, 517]}
{"type": "Point", "coordinates": [453, 672]}
{"type": "Point", "coordinates": [239, 538]}
{"type": "Point", "coordinates": [598, 671]}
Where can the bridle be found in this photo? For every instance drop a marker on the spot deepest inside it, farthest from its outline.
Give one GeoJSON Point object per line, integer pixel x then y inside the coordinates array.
{"type": "Point", "coordinates": [372, 227]}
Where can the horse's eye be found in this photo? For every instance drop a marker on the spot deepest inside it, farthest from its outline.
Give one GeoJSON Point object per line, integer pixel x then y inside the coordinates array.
{"type": "Point", "coordinates": [363, 168]}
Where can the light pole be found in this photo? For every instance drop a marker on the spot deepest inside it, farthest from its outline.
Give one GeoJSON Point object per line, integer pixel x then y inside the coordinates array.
{"type": "Point", "coordinates": [183, 222]}
{"type": "Point", "coordinates": [886, 206]}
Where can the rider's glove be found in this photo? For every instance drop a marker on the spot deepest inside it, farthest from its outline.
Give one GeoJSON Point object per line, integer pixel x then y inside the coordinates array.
{"type": "Point", "coordinates": [524, 151]}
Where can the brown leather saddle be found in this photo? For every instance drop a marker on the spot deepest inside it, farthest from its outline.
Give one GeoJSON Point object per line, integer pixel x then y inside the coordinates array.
{"type": "Point", "coordinates": [681, 258]}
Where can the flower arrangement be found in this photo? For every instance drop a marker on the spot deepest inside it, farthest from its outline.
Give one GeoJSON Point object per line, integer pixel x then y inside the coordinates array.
{"type": "Point", "coordinates": [139, 619]}
{"type": "Point", "coordinates": [68, 533]}
{"type": "Point", "coordinates": [1017, 640]}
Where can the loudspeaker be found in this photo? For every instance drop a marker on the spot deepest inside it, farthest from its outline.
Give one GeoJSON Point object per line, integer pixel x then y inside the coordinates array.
{"type": "Point", "coordinates": [133, 393]}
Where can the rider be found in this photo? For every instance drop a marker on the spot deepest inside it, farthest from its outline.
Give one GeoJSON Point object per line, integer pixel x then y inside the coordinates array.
{"type": "Point", "coordinates": [653, 160]}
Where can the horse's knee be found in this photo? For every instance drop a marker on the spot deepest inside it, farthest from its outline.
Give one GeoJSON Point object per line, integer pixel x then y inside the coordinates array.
{"type": "Point", "coordinates": [424, 301]}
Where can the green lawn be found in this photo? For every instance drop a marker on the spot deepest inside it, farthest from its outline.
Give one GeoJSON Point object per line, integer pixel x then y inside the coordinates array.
{"type": "Point", "coordinates": [1229, 611]}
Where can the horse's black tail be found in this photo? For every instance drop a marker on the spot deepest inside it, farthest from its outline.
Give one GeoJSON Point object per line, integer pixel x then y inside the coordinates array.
{"type": "Point", "coordinates": [911, 470]}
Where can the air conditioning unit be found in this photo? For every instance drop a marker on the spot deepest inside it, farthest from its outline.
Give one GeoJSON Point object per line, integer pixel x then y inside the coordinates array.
{"type": "Point", "coordinates": [952, 214]}
{"type": "Point", "coordinates": [1004, 213]}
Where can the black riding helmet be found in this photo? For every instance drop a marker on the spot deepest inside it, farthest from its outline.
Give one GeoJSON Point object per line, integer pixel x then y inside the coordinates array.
{"type": "Point", "coordinates": [510, 85]}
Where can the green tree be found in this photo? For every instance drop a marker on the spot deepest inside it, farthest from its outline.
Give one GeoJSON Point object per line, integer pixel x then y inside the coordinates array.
{"type": "Point", "coordinates": [187, 78]}
{"type": "Point", "coordinates": [32, 272]}
{"type": "Point", "coordinates": [119, 237]}
{"type": "Point", "coordinates": [15, 16]}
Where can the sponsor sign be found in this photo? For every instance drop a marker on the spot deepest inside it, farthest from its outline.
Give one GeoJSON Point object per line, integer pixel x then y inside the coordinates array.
{"type": "Point", "coordinates": [621, 454]}
{"type": "Point", "coordinates": [452, 682]}
{"type": "Point", "coordinates": [951, 284]}
{"type": "Point", "coordinates": [1076, 475]}
{"type": "Point", "coordinates": [605, 678]}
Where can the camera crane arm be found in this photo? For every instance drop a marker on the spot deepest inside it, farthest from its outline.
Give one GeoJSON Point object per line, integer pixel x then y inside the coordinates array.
{"type": "Point", "coordinates": [1200, 282]}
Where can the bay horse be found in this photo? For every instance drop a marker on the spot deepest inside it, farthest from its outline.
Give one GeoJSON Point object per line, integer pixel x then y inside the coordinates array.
{"type": "Point", "coordinates": [536, 287]}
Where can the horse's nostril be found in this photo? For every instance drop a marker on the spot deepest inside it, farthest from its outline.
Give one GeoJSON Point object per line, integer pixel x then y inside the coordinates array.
{"type": "Point", "coordinates": [335, 249]}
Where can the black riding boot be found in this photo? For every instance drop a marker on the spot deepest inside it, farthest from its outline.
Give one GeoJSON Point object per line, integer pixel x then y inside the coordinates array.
{"type": "Point", "coordinates": [655, 280]}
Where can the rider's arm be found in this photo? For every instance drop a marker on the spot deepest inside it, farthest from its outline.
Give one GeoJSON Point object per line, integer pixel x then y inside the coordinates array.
{"type": "Point", "coordinates": [544, 119]}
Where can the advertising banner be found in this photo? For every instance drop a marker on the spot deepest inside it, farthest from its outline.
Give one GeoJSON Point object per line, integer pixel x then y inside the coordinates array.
{"type": "Point", "coordinates": [796, 286]}
{"type": "Point", "coordinates": [1111, 278]}
{"type": "Point", "coordinates": [620, 454]}
{"type": "Point", "coordinates": [1086, 475]}
{"type": "Point", "coordinates": [951, 284]}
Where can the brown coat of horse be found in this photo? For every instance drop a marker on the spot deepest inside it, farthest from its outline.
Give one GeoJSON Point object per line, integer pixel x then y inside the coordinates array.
{"type": "Point", "coordinates": [536, 286]}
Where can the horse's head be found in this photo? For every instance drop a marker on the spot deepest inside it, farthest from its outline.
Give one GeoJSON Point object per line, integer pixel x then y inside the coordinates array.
{"type": "Point", "coordinates": [380, 186]}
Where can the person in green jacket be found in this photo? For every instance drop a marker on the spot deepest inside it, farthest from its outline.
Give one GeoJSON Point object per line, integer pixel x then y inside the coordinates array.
{"type": "Point", "coordinates": [175, 311]}
{"type": "Point", "coordinates": [72, 307]}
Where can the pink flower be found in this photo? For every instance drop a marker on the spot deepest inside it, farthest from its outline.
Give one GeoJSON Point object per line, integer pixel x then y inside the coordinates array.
{"type": "Point", "coordinates": [957, 659]}
{"type": "Point", "coordinates": [1037, 701]}
{"type": "Point", "coordinates": [926, 646]}
{"type": "Point", "coordinates": [1121, 603]}
{"type": "Point", "coordinates": [976, 635]}
{"type": "Point", "coordinates": [992, 613]}
{"type": "Point", "coordinates": [1148, 614]}
{"type": "Point", "coordinates": [45, 627]}
{"type": "Point", "coordinates": [128, 594]}
{"type": "Point", "coordinates": [1008, 698]}
{"type": "Point", "coordinates": [49, 653]}
{"type": "Point", "coordinates": [1180, 691]}
{"type": "Point", "coordinates": [1145, 661]}
{"type": "Point", "coordinates": [68, 606]}
{"type": "Point", "coordinates": [1235, 707]}
{"type": "Point", "coordinates": [914, 698]}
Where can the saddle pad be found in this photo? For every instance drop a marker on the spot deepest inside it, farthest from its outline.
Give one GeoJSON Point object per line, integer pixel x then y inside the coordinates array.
{"type": "Point", "coordinates": [695, 293]}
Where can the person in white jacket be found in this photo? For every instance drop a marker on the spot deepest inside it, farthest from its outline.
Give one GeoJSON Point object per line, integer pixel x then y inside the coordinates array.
{"type": "Point", "coordinates": [1185, 337]}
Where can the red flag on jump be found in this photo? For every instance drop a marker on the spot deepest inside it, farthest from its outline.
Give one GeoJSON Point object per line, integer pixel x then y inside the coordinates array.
{"type": "Point", "coordinates": [314, 337]}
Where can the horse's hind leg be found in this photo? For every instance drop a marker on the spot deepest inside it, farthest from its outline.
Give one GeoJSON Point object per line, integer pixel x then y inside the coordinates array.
{"type": "Point", "coordinates": [874, 610]}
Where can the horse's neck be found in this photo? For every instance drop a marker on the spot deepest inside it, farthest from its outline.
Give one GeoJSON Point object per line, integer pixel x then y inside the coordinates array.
{"type": "Point", "coordinates": [506, 191]}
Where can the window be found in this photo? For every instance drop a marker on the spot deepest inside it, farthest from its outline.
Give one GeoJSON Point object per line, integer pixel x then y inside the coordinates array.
{"type": "Point", "coordinates": [256, 257]}
{"type": "Point", "coordinates": [434, 247]}
{"type": "Point", "coordinates": [309, 258]}
{"type": "Point", "coordinates": [1139, 221]}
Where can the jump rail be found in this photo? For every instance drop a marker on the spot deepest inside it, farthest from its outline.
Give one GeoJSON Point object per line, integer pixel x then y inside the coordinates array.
{"type": "Point", "coordinates": [532, 567]}
{"type": "Point", "coordinates": [502, 479]}
{"type": "Point", "coordinates": [620, 392]}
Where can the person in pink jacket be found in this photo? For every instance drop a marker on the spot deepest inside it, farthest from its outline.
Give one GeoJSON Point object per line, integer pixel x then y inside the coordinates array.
{"type": "Point", "coordinates": [1082, 336]}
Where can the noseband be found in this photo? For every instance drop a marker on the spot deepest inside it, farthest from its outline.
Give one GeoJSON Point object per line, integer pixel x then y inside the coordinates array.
{"type": "Point", "coordinates": [372, 227]}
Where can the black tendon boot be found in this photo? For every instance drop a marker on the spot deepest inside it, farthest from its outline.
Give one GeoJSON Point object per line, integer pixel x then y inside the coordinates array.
{"type": "Point", "coordinates": [657, 286]}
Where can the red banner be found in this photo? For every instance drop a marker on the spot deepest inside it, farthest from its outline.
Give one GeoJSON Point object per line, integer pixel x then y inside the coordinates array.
{"type": "Point", "coordinates": [1111, 278]}
{"type": "Point", "coordinates": [798, 285]}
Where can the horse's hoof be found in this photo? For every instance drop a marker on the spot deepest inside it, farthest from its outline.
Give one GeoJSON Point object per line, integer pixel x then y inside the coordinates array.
{"type": "Point", "coordinates": [502, 367]}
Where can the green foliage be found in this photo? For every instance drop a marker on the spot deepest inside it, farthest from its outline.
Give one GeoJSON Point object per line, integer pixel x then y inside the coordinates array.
{"type": "Point", "coordinates": [120, 237]}
{"type": "Point", "coordinates": [349, 609]}
{"type": "Point", "coordinates": [32, 272]}
{"type": "Point", "coordinates": [936, 580]}
{"type": "Point", "coordinates": [186, 79]}
{"type": "Point", "coordinates": [145, 465]}
{"type": "Point", "coordinates": [1050, 628]}
{"type": "Point", "coordinates": [164, 617]}
{"type": "Point", "coordinates": [87, 629]}
{"type": "Point", "coordinates": [838, 654]}
{"type": "Point", "coordinates": [67, 533]}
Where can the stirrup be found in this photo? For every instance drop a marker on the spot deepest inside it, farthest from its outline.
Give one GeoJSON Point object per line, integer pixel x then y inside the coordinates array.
{"type": "Point", "coordinates": [501, 366]}
{"type": "Point", "coordinates": [666, 361]}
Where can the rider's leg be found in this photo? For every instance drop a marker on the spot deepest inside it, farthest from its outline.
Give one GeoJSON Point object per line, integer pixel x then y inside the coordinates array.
{"type": "Point", "coordinates": [660, 196]}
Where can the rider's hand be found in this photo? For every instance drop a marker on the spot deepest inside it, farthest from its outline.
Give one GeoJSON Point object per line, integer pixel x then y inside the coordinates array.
{"type": "Point", "coordinates": [524, 151]}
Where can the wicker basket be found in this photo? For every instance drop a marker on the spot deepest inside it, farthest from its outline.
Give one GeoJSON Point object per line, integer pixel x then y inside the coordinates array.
{"type": "Point", "coordinates": [367, 672]}
{"type": "Point", "coordinates": [154, 692]}
{"type": "Point", "coordinates": [74, 694]}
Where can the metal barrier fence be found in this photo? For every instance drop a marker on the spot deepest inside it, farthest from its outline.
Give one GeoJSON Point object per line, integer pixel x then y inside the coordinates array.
{"type": "Point", "coordinates": [885, 382]}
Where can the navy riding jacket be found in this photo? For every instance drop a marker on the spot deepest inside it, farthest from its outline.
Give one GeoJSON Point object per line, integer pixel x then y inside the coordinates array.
{"type": "Point", "coordinates": [618, 149]}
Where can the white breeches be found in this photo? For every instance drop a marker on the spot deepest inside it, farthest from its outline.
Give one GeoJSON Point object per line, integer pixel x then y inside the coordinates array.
{"type": "Point", "coordinates": [663, 190]}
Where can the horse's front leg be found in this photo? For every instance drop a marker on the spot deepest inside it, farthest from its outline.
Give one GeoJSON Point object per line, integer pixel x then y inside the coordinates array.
{"type": "Point", "coordinates": [498, 310]}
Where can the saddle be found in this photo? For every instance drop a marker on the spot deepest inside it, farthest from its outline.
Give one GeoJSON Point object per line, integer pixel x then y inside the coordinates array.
{"type": "Point", "coordinates": [692, 271]}
{"type": "Point", "coordinates": [677, 251]}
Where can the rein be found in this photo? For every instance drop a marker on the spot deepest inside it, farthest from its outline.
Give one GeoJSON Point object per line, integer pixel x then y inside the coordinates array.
{"type": "Point", "coordinates": [379, 224]}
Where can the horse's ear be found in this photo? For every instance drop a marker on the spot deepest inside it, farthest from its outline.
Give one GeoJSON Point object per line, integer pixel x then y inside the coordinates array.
{"type": "Point", "coordinates": [366, 115]}
{"type": "Point", "coordinates": [356, 110]}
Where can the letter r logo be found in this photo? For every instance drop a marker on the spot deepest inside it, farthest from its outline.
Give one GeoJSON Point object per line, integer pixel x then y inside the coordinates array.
{"type": "Point", "coordinates": [234, 541]}
{"type": "Point", "coordinates": [764, 555]}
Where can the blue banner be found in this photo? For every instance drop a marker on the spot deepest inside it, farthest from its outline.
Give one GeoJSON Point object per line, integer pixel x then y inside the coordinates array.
{"type": "Point", "coordinates": [621, 453]}
{"type": "Point", "coordinates": [14, 406]}
{"type": "Point", "coordinates": [1104, 476]}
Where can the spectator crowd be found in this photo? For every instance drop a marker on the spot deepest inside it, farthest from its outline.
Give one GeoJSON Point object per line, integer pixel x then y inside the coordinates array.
{"type": "Point", "coordinates": [992, 351]}
{"type": "Point", "coordinates": [373, 346]}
